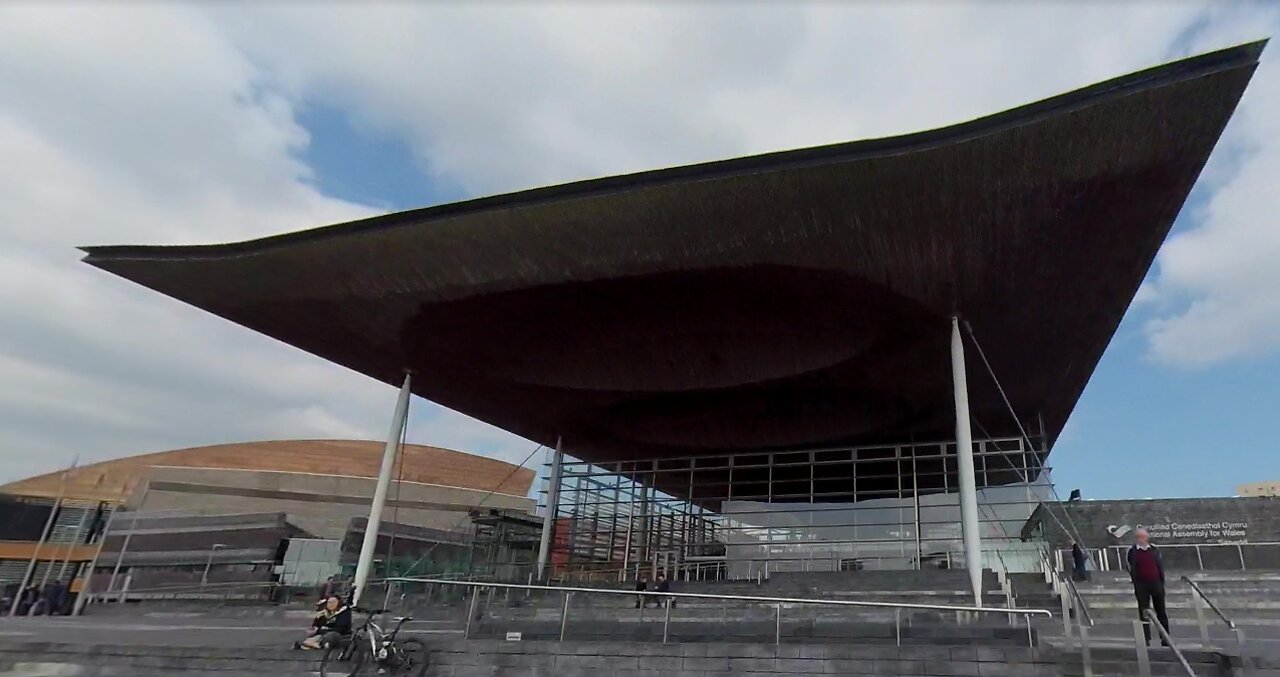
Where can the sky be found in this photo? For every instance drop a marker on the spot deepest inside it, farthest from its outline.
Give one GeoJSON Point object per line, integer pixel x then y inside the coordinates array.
{"type": "Point", "coordinates": [179, 123]}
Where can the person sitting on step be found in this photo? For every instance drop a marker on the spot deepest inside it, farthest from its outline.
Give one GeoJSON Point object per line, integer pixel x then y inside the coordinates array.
{"type": "Point", "coordinates": [330, 626]}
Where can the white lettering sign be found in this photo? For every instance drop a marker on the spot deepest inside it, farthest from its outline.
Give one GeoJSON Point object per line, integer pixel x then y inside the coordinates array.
{"type": "Point", "coordinates": [1206, 531]}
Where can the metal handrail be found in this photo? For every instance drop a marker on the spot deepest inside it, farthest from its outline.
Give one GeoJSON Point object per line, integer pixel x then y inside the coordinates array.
{"type": "Point", "coordinates": [1196, 588]}
{"type": "Point", "coordinates": [1086, 618]}
{"type": "Point", "coordinates": [181, 587]}
{"type": "Point", "coordinates": [218, 588]}
{"type": "Point", "coordinates": [740, 598]}
{"type": "Point", "coordinates": [1168, 641]}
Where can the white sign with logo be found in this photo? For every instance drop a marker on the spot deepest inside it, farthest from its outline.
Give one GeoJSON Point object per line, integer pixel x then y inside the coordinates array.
{"type": "Point", "coordinates": [1207, 531]}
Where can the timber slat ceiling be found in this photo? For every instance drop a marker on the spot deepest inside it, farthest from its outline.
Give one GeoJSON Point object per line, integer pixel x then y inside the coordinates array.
{"type": "Point", "coordinates": [789, 300]}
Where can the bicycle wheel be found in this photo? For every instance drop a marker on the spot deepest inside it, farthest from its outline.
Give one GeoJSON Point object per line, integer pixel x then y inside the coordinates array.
{"type": "Point", "coordinates": [363, 661]}
{"type": "Point", "coordinates": [333, 663]}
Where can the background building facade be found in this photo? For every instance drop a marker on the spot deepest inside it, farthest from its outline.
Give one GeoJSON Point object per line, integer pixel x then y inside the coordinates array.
{"type": "Point", "coordinates": [229, 512]}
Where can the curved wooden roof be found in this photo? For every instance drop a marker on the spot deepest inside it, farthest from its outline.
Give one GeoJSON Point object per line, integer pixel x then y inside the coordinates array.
{"type": "Point", "coordinates": [108, 480]}
{"type": "Point", "coordinates": [792, 300]}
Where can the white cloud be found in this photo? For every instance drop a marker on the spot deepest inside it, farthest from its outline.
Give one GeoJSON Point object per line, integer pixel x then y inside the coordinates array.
{"type": "Point", "coordinates": [506, 98]}
{"type": "Point", "coordinates": [162, 124]}
{"type": "Point", "coordinates": [502, 100]}
{"type": "Point", "coordinates": [1222, 277]}
{"type": "Point", "coordinates": [145, 125]}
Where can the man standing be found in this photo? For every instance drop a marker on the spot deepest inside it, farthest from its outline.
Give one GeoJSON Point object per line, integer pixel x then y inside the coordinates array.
{"type": "Point", "coordinates": [1146, 570]}
{"type": "Point", "coordinates": [329, 588]}
{"type": "Point", "coordinates": [1080, 562]}
{"type": "Point", "coordinates": [663, 586]}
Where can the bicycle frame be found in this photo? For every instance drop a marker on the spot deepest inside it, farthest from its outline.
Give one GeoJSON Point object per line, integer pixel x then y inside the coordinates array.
{"type": "Point", "coordinates": [378, 638]}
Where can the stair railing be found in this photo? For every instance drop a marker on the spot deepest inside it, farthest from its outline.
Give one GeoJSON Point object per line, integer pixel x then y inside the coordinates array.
{"type": "Point", "coordinates": [1201, 600]}
{"type": "Point", "coordinates": [666, 599]}
{"type": "Point", "coordinates": [1140, 644]}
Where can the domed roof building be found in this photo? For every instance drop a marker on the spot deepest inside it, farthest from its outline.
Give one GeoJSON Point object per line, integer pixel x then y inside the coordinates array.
{"type": "Point", "coordinates": [240, 506]}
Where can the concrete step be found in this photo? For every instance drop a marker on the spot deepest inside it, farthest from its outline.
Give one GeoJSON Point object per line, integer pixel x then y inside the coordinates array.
{"type": "Point", "coordinates": [530, 659]}
{"type": "Point", "coordinates": [52, 660]}
{"type": "Point", "coordinates": [751, 631]}
{"type": "Point", "coordinates": [939, 656]}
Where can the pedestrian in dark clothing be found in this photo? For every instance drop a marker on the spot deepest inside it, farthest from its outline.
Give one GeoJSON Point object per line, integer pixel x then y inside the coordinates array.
{"type": "Point", "coordinates": [57, 595]}
{"type": "Point", "coordinates": [1080, 561]}
{"type": "Point", "coordinates": [329, 589]}
{"type": "Point", "coordinates": [641, 586]}
{"type": "Point", "coordinates": [1146, 570]}
{"type": "Point", "coordinates": [29, 598]}
{"type": "Point", "coordinates": [663, 586]}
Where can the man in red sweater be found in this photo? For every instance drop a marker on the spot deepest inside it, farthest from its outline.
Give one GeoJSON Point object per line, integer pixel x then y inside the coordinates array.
{"type": "Point", "coordinates": [1146, 570]}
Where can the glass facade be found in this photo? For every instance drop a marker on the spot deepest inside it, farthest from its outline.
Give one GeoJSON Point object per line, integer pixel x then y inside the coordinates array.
{"type": "Point", "coordinates": [311, 561]}
{"type": "Point", "coordinates": [742, 516]}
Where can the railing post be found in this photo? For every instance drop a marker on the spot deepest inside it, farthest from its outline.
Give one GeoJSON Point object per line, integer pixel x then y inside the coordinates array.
{"type": "Point", "coordinates": [1086, 657]}
{"type": "Point", "coordinates": [471, 612]}
{"type": "Point", "coordinates": [1066, 621]}
{"type": "Point", "coordinates": [1140, 648]}
{"type": "Point", "coordinates": [777, 627]}
{"type": "Point", "coordinates": [1204, 627]}
{"type": "Point", "coordinates": [1245, 663]}
{"type": "Point", "coordinates": [1031, 638]}
{"type": "Point", "coordinates": [897, 625]}
{"type": "Point", "coordinates": [666, 622]}
{"type": "Point", "coordinates": [1199, 558]}
{"type": "Point", "coordinates": [1240, 551]}
{"type": "Point", "coordinates": [564, 614]}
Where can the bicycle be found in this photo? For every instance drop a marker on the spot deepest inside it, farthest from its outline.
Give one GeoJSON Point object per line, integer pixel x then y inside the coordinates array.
{"type": "Point", "coordinates": [375, 651]}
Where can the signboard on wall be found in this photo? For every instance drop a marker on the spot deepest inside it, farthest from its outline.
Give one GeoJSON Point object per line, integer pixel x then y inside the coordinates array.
{"type": "Point", "coordinates": [1175, 521]}
{"type": "Point", "coordinates": [1206, 531]}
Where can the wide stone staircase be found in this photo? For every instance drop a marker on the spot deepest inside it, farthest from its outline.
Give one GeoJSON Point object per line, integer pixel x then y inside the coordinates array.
{"type": "Point", "coordinates": [518, 634]}
{"type": "Point", "coordinates": [1245, 596]}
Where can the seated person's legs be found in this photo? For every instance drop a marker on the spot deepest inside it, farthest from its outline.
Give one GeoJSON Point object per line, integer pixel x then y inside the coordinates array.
{"type": "Point", "coordinates": [333, 639]}
{"type": "Point", "coordinates": [313, 641]}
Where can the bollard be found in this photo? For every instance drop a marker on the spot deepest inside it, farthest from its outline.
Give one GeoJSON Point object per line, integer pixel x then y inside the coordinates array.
{"type": "Point", "coordinates": [1140, 646]}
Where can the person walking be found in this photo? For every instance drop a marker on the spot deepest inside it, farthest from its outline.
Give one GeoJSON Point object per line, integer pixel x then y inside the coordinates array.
{"type": "Point", "coordinates": [663, 585]}
{"type": "Point", "coordinates": [1146, 570]}
{"type": "Point", "coordinates": [642, 585]}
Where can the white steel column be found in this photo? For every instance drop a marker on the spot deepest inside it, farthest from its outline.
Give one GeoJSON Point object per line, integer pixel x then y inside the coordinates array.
{"type": "Point", "coordinates": [549, 519]}
{"type": "Point", "coordinates": [398, 420]}
{"type": "Point", "coordinates": [964, 462]}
